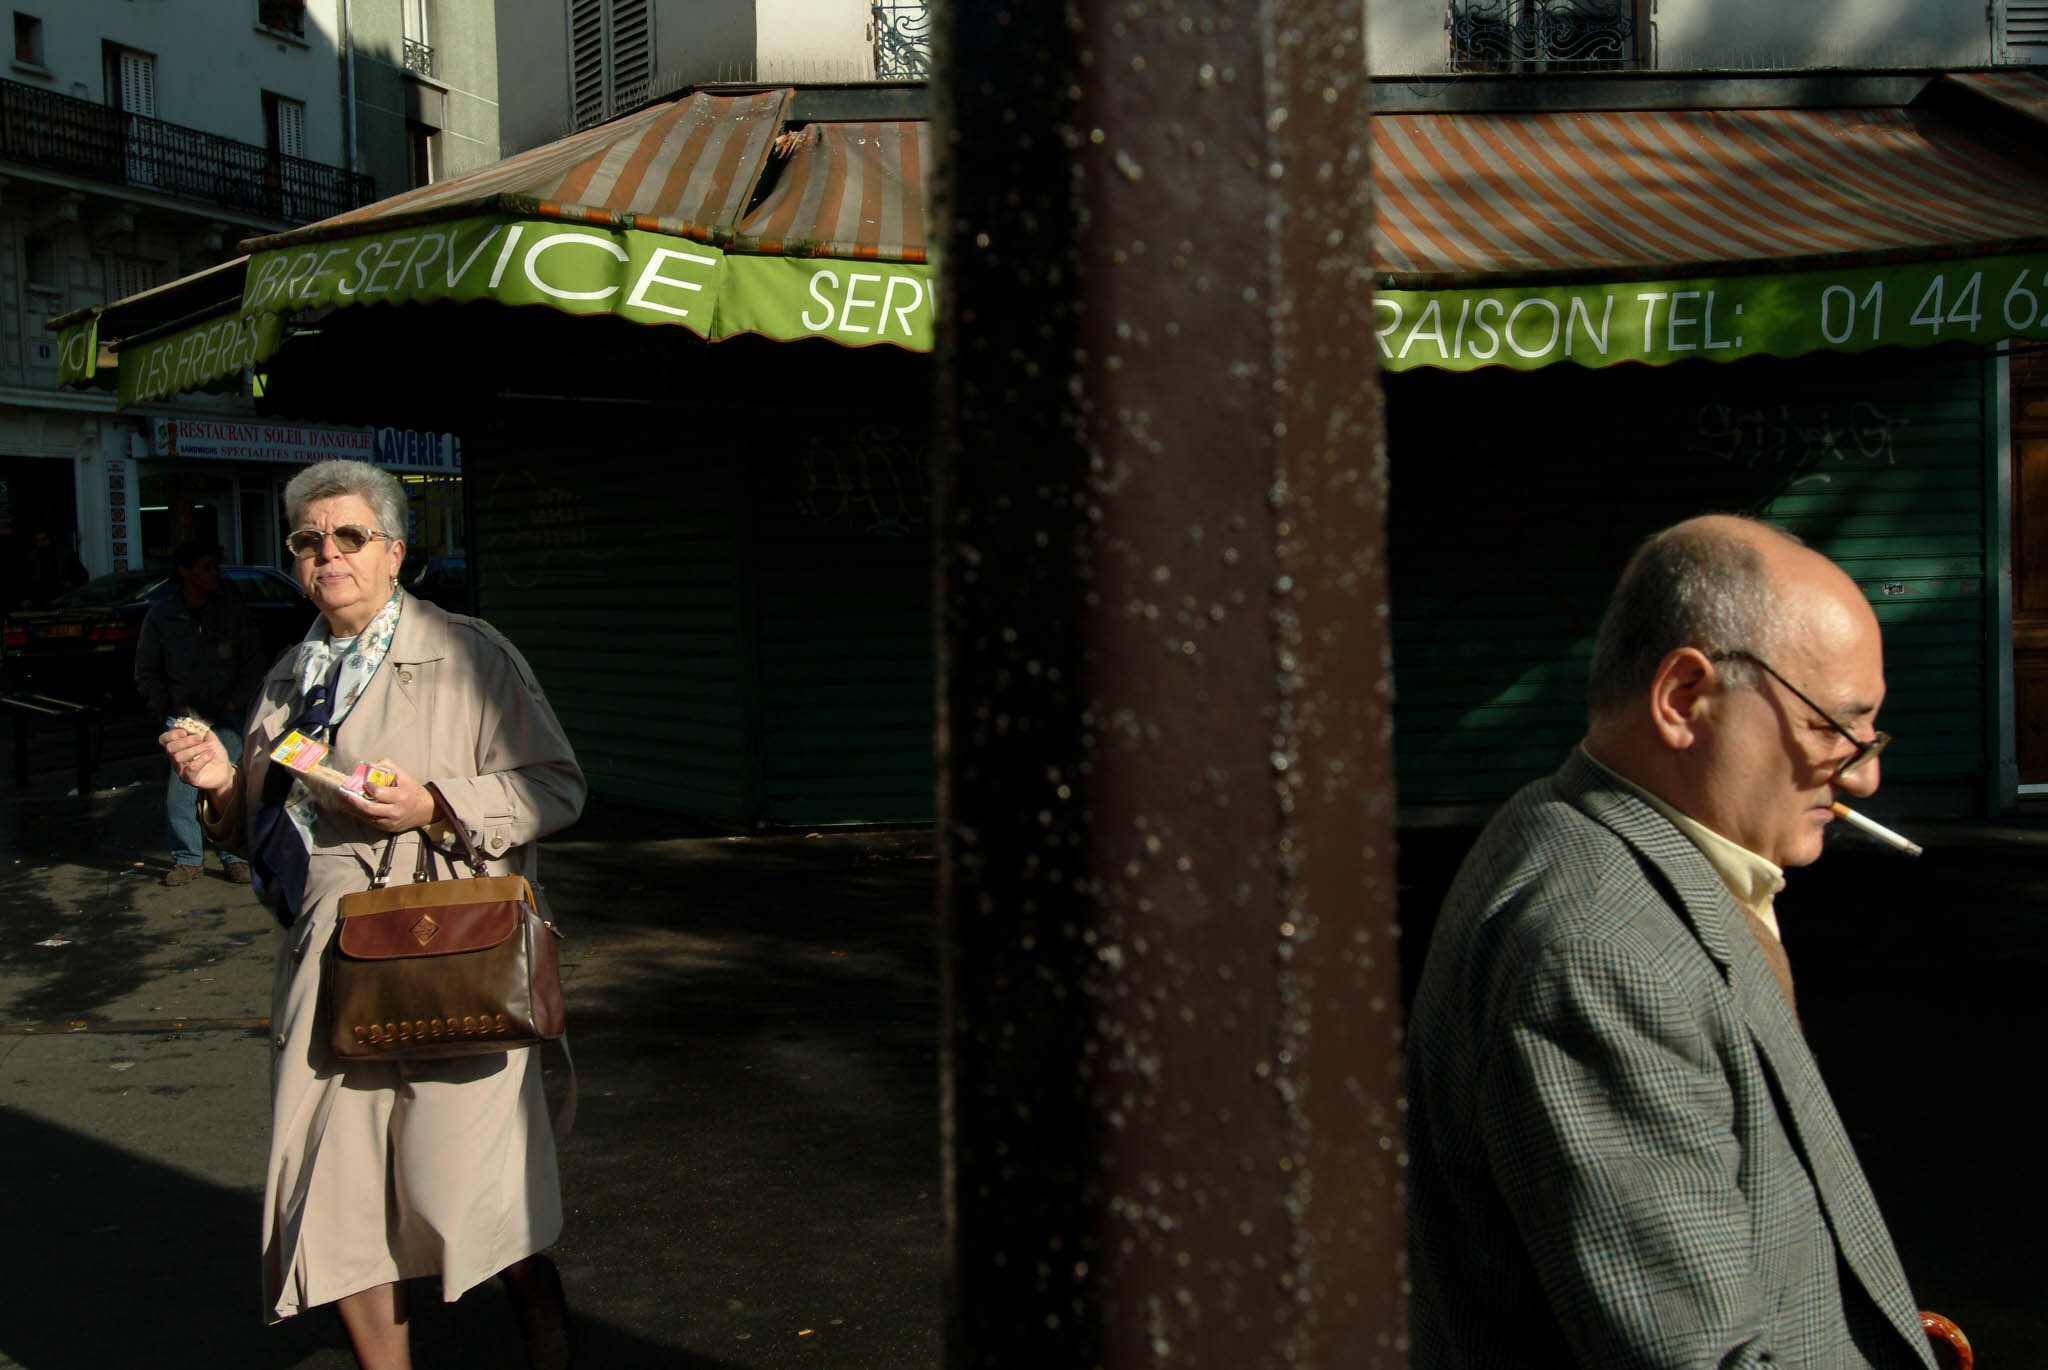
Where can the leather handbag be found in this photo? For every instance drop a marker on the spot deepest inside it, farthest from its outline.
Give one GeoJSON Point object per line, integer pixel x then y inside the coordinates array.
{"type": "Point", "coordinates": [439, 968]}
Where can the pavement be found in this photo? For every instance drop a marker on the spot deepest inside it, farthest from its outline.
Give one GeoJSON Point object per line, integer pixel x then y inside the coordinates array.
{"type": "Point", "coordinates": [753, 1179]}
{"type": "Point", "coordinates": [753, 1176]}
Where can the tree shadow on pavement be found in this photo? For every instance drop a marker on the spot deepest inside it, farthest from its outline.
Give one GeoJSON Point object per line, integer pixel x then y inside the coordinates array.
{"type": "Point", "coordinates": [111, 1259]}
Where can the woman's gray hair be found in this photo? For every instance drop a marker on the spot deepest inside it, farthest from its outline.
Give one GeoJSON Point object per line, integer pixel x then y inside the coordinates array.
{"type": "Point", "coordinates": [373, 485]}
{"type": "Point", "coordinates": [1688, 586]}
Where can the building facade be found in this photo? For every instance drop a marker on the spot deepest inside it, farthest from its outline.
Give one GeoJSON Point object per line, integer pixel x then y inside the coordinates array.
{"type": "Point", "coordinates": [1555, 37]}
{"type": "Point", "coordinates": [140, 145]}
{"type": "Point", "coordinates": [580, 62]}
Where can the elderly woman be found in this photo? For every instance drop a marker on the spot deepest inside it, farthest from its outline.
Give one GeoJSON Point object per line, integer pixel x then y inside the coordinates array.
{"type": "Point", "coordinates": [384, 1171]}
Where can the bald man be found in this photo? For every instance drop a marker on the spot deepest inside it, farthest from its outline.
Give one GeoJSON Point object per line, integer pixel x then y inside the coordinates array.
{"type": "Point", "coordinates": [1621, 1153]}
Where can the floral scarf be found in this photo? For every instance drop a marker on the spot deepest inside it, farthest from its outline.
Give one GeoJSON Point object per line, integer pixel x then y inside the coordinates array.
{"type": "Point", "coordinates": [360, 656]}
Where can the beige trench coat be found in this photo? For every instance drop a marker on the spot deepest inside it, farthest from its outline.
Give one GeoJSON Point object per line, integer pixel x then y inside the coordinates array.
{"type": "Point", "coordinates": [388, 1171]}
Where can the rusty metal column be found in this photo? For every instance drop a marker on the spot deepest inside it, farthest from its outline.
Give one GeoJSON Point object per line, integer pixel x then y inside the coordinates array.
{"type": "Point", "coordinates": [1171, 1133]}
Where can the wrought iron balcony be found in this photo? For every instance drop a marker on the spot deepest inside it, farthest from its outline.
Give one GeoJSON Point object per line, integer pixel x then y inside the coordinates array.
{"type": "Point", "coordinates": [102, 143]}
{"type": "Point", "coordinates": [1526, 35]}
{"type": "Point", "coordinates": [419, 57]}
{"type": "Point", "coordinates": [903, 39]}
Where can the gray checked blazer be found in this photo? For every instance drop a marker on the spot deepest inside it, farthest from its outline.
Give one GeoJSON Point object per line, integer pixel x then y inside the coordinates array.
{"type": "Point", "coordinates": [1621, 1153]}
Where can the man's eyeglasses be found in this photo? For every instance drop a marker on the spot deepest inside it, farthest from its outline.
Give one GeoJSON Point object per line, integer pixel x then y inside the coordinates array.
{"type": "Point", "coordinates": [1865, 750]}
{"type": "Point", "coordinates": [348, 537]}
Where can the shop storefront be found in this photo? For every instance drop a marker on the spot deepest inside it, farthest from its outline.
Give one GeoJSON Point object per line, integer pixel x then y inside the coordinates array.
{"type": "Point", "coordinates": [222, 481]}
{"type": "Point", "coordinates": [716, 557]}
{"type": "Point", "coordinates": [714, 548]}
{"type": "Point", "coordinates": [1592, 324]}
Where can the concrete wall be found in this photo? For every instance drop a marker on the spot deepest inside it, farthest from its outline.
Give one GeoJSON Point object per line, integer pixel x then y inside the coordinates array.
{"type": "Point", "coordinates": [460, 98]}
{"type": "Point", "coordinates": [533, 72]}
{"type": "Point", "coordinates": [1408, 37]}
{"type": "Point", "coordinates": [699, 42]}
{"type": "Point", "coordinates": [814, 40]}
{"type": "Point", "coordinates": [696, 43]}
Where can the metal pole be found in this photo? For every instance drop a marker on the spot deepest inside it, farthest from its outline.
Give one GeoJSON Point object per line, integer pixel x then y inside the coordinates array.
{"type": "Point", "coordinates": [1171, 1134]}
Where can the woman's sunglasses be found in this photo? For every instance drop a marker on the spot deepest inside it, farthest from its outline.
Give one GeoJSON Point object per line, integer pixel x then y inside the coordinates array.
{"type": "Point", "coordinates": [348, 537]}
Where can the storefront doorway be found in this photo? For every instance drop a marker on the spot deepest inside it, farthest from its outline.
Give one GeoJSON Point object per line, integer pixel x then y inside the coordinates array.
{"type": "Point", "coordinates": [37, 495]}
{"type": "Point", "coordinates": [187, 506]}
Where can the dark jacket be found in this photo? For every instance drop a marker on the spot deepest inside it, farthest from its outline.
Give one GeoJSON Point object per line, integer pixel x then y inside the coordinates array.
{"type": "Point", "coordinates": [205, 661]}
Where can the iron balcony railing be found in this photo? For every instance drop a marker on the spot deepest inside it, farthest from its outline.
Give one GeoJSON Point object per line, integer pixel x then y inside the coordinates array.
{"type": "Point", "coordinates": [903, 39]}
{"type": "Point", "coordinates": [419, 57]}
{"type": "Point", "coordinates": [1543, 35]}
{"type": "Point", "coordinates": [106, 144]}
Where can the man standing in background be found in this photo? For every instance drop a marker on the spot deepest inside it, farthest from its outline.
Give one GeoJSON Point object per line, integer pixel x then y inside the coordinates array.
{"type": "Point", "coordinates": [199, 655]}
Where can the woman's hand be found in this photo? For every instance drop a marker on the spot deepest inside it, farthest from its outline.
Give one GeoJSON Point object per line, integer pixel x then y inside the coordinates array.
{"type": "Point", "coordinates": [398, 807]}
{"type": "Point", "coordinates": [202, 763]}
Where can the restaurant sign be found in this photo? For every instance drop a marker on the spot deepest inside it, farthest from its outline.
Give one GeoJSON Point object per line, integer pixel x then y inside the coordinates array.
{"type": "Point", "coordinates": [395, 449]}
{"type": "Point", "coordinates": [1851, 309]}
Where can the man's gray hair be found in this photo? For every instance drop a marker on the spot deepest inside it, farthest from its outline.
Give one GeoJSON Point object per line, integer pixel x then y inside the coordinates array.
{"type": "Point", "coordinates": [1688, 586]}
{"type": "Point", "coordinates": [373, 485]}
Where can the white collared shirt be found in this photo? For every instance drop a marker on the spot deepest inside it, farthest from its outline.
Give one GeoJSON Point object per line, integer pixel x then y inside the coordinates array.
{"type": "Point", "coordinates": [1752, 879]}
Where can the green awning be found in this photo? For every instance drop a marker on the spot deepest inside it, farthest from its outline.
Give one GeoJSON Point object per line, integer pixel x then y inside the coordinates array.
{"type": "Point", "coordinates": [78, 351]}
{"type": "Point", "coordinates": [1525, 238]}
{"type": "Point", "coordinates": [1716, 318]}
{"type": "Point", "coordinates": [703, 213]}
{"type": "Point", "coordinates": [648, 278]}
{"type": "Point", "coordinates": [194, 357]}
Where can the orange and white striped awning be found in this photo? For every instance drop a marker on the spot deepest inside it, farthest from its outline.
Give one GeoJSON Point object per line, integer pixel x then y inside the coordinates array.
{"type": "Point", "coordinates": [687, 168]}
{"type": "Point", "coordinates": [1473, 198]}
{"type": "Point", "coordinates": [2018, 90]}
{"type": "Point", "coordinates": [848, 190]}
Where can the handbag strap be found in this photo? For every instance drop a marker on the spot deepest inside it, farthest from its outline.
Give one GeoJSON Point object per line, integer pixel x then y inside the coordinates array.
{"type": "Point", "coordinates": [446, 814]}
{"type": "Point", "coordinates": [423, 869]}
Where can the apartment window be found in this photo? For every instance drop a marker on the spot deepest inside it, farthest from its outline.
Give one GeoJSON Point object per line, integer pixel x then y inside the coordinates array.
{"type": "Point", "coordinates": [286, 16]}
{"type": "Point", "coordinates": [419, 155]}
{"type": "Point", "coordinates": [284, 124]}
{"type": "Point", "coordinates": [284, 134]}
{"type": "Point", "coordinates": [39, 264]}
{"type": "Point", "coordinates": [611, 57]}
{"type": "Point", "coordinates": [131, 81]}
{"type": "Point", "coordinates": [903, 39]}
{"type": "Point", "coordinates": [131, 276]}
{"type": "Point", "coordinates": [28, 39]}
{"type": "Point", "coordinates": [1545, 35]}
{"type": "Point", "coordinates": [419, 47]}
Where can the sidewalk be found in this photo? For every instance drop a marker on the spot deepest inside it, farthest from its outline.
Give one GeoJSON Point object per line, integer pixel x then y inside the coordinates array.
{"type": "Point", "coordinates": [753, 1180]}
{"type": "Point", "coordinates": [753, 1176]}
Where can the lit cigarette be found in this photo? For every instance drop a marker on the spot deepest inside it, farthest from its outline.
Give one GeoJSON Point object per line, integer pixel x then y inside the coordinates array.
{"type": "Point", "coordinates": [1876, 829]}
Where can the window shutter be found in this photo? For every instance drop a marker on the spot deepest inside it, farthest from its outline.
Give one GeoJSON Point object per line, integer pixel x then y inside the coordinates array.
{"type": "Point", "coordinates": [2023, 32]}
{"type": "Point", "coordinates": [611, 57]}
{"type": "Point", "coordinates": [291, 128]}
{"type": "Point", "coordinates": [138, 83]}
{"type": "Point", "coordinates": [632, 54]}
{"type": "Point", "coordinates": [586, 61]}
{"type": "Point", "coordinates": [130, 276]}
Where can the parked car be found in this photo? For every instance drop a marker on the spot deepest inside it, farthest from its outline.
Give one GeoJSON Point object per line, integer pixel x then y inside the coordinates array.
{"type": "Point", "coordinates": [81, 646]}
{"type": "Point", "coordinates": [444, 581]}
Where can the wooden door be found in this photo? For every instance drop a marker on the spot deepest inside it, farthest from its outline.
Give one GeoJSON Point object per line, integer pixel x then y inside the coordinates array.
{"type": "Point", "coordinates": [2030, 562]}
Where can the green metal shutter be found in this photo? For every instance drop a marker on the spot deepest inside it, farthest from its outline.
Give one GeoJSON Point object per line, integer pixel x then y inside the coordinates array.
{"type": "Point", "coordinates": [615, 570]}
{"type": "Point", "coordinates": [840, 590]}
{"type": "Point", "coordinates": [1516, 497]}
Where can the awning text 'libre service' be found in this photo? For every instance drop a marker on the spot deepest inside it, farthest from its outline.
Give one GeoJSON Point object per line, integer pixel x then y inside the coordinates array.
{"type": "Point", "coordinates": [641, 218]}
